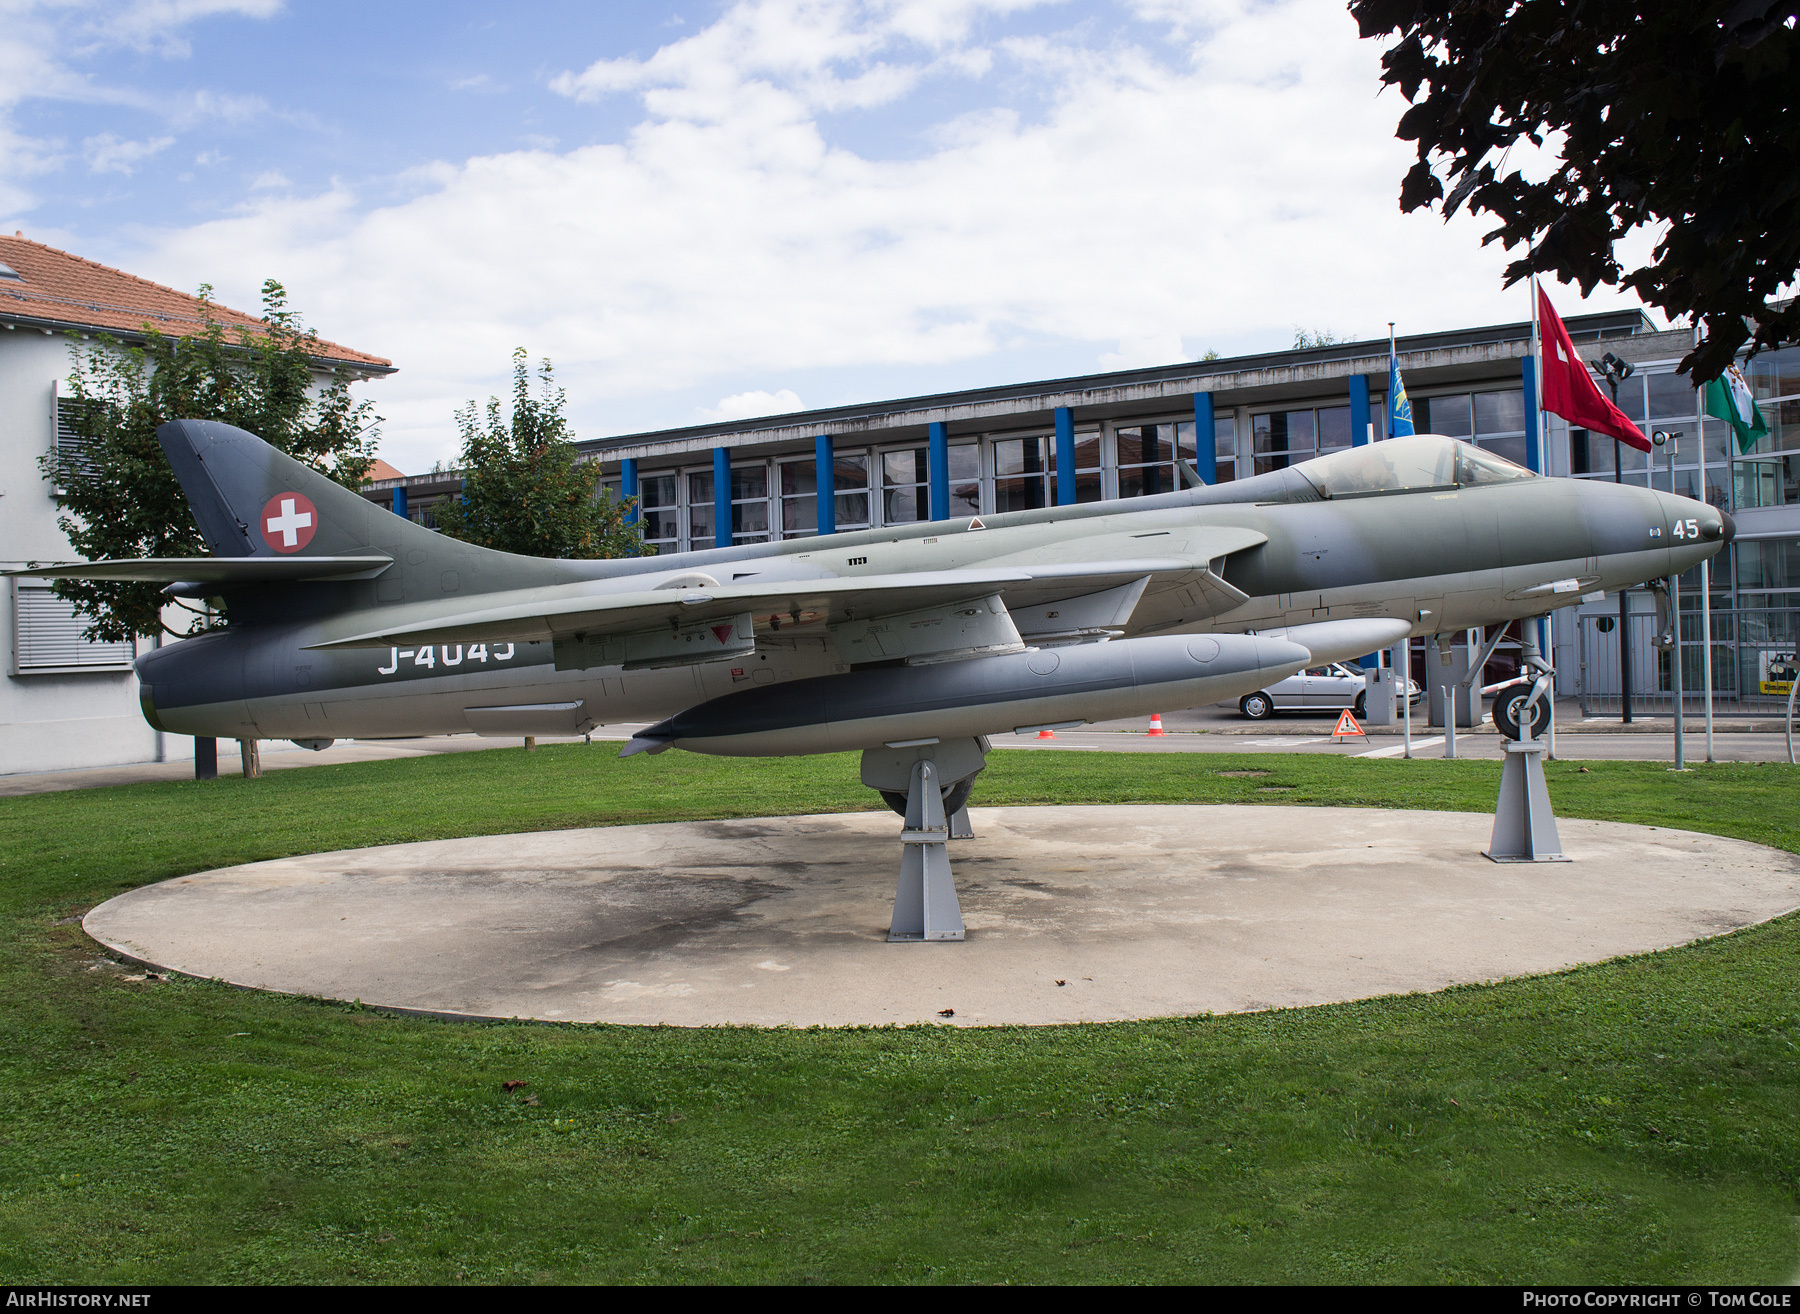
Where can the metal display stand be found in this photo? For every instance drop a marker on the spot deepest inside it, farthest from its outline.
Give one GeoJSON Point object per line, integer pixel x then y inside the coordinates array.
{"type": "Point", "coordinates": [1524, 825]}
{"type": "Point", "coordinates": [959, 824]}
{"type": "Point", "coordinates": [925, 906]}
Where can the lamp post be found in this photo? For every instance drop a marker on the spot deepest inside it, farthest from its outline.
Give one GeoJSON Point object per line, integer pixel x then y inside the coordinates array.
{"type": "Point", "coordinates": [1616, 371]}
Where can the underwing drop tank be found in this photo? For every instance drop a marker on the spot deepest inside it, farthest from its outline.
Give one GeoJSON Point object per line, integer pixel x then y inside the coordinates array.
{"type": "Point", "coordinates": [1045, 687]}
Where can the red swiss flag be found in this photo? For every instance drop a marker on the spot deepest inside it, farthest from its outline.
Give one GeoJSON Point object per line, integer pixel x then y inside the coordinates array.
{"type": "Point", "coordinates": [1570, 391]}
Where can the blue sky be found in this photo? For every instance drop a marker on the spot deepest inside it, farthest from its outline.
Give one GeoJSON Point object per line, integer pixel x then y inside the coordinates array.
{"type": "Point", "coordinates": [700, 212]}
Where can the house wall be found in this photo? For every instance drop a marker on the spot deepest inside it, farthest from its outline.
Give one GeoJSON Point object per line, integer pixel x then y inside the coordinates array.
{"type": "Point", "coordinates": [52, 722]}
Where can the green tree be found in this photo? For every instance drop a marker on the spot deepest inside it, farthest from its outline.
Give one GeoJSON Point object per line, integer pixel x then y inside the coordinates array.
{"type": "Point", "coordinates": [120, 498]}
{"type": "Point", "coordinates": [1661, 114]}
{"type": "Point", "coordinates": [525, 488]}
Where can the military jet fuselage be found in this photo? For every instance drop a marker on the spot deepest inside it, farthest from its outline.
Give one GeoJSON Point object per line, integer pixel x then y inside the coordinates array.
{"type": "Point", "coordinates": [348, 621]}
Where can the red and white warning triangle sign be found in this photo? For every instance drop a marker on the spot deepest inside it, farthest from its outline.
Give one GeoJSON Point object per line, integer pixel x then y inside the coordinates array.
{"type": "Point", "coordinates": [975, 523]}
{"type": "Point", "coordinates": [1347, 727]}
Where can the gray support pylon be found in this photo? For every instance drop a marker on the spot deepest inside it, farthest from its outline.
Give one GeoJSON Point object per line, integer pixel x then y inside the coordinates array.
{"type": "Point", "coordinates": [925, 906]}
{"type": "Point", "coordinates": [960, 828]}
{"type": "Point", "coordinates": [1524, 825]}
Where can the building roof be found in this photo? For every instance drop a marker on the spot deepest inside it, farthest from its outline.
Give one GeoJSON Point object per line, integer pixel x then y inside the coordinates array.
{"type": "Point", "coordinates": [380, 469]}
{"type": "Point", "coordinates": [50, 289]}
{"type": "Point", "coordinates": [1297, 373]}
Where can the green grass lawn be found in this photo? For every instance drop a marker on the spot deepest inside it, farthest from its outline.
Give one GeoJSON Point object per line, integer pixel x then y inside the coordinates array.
{"type": "Point", "coordinates": [1630, 1122]}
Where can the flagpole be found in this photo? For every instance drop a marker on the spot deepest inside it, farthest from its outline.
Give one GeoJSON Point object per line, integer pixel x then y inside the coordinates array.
{"type": "Point", "coordinates": [1706, 642]}
{"type": "Point", "coordinates": [1546, 626]}
{"type": "Point", "coordinates": [1387, 425]}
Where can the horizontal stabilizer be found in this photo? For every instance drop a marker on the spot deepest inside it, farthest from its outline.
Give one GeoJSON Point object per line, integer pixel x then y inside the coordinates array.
{"type": "Point", "coordinates": [228, 571]}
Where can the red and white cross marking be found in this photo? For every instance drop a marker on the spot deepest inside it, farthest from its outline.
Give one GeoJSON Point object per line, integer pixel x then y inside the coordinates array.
{"type": "Point", "coordinates": [289, 521]}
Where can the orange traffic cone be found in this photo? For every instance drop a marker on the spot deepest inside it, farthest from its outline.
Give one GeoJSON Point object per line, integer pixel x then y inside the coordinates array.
{"type": "Point", "coordinates": [1046, 734]}
{"type": "Point", "coordinates": [1156, 724]}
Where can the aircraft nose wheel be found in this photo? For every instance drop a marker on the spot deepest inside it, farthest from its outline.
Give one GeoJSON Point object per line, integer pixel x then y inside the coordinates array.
{"type": "Point", "coordinates": [1508, 706]}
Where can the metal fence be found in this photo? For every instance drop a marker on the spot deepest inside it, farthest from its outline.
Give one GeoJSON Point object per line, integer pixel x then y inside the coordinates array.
{"type": "Point", "coordinates": [1753, 658]}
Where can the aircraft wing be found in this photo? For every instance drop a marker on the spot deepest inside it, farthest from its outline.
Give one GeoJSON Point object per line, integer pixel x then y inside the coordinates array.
{"type": "Point", "coordinates": [215, 570]}
{"type": "Point", "coordinates": [548, 618]}
{"type": "Point", "coordinates": [575, 610]}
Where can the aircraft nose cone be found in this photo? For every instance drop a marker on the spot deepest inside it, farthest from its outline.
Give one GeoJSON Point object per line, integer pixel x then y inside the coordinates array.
{"type": "Point", "coordinates": [1727, 529]}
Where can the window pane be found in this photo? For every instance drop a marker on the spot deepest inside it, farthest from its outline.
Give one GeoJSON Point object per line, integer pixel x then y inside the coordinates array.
{"type": "Point", "coordinates": [1019, 494]}
{"type": "Point", "coordinates": [852, 510]}
{"type": "Point", "coordinates": [965, 463]}
{"type": "Point", "coordinates": [700, 489]}
{"type": "Point", "coordinates": [1184, 441]}
{"type": "Point", "coordinates": [1146, 480]}
{"type": "Point", "coordinates": [1334, 427]}
{"type": "Point", "coordinates": [749, 481]}
{"type": "Point", "coordinates": [1447, 415]}
{"type": "Point", "coordinates": [700, 524]}
{"type": "Point", "coordinates": [1774, 373]}
{"type": "Point", "coordinates": [1631, 397]}
{"type": "Point", "coordinates": [1014, 456]}
{"type": "Point", "coordinates": [799, 513]}
{"type": "Point", "coordinates": [657, 490]}
{"type": "Point", "coordinates": [798, 477]}
{"type": "Point", "coordinates": [1513, 448]}
{"type": "Point", "coordinates": [749, 518]}
{"type": "Point", "coordinates": [661, 525]}
{"type": "Point", "coordinates": [1671, 397]}
{"type": "Point", "coordinates": [1225, 446]}
{"type": "Point", "coordinates": [1283, 431]}
{"type": "Point", "coordinates": [902, 506]}
{"type": "Point", "coordinates": [1087, 486]}
{"type": "Point", "coordinates": [1500, 412]}
{"type": "Point", "coordinates": [850, 471]}
{"type": "Point", "coordinates": [899, 469]}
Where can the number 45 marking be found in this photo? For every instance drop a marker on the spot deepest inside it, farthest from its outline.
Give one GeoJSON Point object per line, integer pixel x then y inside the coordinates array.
{"type": "Point", "coordinates": [1687, 529]}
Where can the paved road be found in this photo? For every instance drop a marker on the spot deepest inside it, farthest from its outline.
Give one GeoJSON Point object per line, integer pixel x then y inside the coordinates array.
{"type": "Point", "coordinates": [1194, 730]}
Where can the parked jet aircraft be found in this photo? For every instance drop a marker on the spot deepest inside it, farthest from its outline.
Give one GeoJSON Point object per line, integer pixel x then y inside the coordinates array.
{"type": "Point", "coordinates": [346, 620]}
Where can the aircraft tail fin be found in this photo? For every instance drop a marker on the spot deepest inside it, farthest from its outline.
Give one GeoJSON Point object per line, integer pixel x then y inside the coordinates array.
{"type": "Point", "coordinates": [252, 501]}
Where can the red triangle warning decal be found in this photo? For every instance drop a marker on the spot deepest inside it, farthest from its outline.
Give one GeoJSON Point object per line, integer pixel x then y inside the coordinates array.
{"type": "Point", "coordinates": [975, 523]}
{"type": "Point", "coordinates": [1347, 726]}
{"type": "Point", "coordinates": [722, 633]}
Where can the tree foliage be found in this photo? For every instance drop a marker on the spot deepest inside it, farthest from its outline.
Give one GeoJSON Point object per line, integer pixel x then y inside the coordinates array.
{"type": "Point", "coordinates": [525, 489]}
{"type": "Point", "coordinates": [120, 498]}
{"type": "Point", "coordinates": [1676, 114]}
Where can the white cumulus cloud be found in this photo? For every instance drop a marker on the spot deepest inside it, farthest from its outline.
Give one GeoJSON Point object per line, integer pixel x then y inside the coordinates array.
{"type": "Point", "coordinates": [1139, 185]}
{"type": "Point", "coordinates": [748, 405]}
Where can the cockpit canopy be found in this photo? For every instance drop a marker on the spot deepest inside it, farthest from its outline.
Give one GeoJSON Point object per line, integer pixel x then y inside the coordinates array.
{"type": "Point", "coordinates": [1408, 465]}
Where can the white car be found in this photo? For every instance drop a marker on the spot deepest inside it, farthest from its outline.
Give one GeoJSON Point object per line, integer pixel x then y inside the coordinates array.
{"type": "Point", "coordinates": [1321, 688]}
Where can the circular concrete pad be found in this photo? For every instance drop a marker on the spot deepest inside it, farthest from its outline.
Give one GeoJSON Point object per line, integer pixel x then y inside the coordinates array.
{"type": "Point", "coordinates": [1141, 911]}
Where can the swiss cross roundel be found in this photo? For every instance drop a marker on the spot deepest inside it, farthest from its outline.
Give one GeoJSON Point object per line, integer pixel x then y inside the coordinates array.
{"type": "Point", "coordinates": [289, 521]}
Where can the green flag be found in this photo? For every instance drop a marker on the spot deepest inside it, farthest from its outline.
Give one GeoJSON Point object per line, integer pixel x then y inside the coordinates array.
{"type": "Point", "coordinates": [1728, 398]}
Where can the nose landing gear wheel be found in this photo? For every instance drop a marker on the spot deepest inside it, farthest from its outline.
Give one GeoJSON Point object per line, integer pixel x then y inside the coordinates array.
{"type": "Point", "coordinates": [954, 797]}
{"type": "Point", "coordinates": [1508, 706]}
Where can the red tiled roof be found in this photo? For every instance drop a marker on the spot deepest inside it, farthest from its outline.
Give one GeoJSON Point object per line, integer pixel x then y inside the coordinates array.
{"type": "Point", "coordinates": [381, 470]}
{"type": "Point", "coordinates": [60, 290]}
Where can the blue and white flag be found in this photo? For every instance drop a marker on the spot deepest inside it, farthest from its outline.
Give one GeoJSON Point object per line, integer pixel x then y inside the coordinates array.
{"type": "Point", "coordinates": [1399, 416]}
